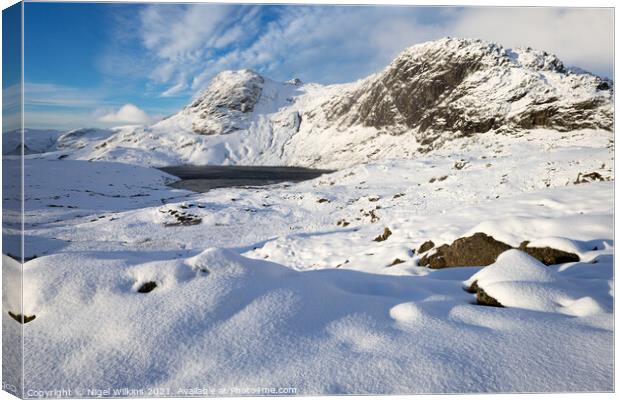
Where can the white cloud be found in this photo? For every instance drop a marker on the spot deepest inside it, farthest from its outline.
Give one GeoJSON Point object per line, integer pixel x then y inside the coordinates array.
{"type": "Point", "coordinates": [64, 107]}
{"type": "Point", "coordinates": [182, 37]}
{"type": "Point", "coordinates": [581, 37]}
{"type": "Point", "coordinates": [127, 114]}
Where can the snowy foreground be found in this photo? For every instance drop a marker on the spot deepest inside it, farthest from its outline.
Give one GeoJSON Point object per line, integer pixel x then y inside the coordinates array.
{"type": "Point", "coordinates": [271, 289]}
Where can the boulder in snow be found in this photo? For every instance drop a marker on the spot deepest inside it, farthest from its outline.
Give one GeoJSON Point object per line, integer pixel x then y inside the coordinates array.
{"type": "Point", "coordinates": [477, 250]}
{"type": "Point", "coordinates": [548, 255]}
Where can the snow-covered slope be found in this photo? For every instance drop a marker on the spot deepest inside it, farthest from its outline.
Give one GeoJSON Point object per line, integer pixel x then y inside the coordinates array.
{"type": "Point", "coordinates": [130, 283]}
{"type": "Point", "coordinates": [284, 286]}
{"type": "Point", "coordinates": [431, 93]}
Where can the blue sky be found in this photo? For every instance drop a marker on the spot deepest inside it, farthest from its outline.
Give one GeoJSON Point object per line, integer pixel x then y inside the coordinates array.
{"type": "Point", "coordinates": [108, 64]}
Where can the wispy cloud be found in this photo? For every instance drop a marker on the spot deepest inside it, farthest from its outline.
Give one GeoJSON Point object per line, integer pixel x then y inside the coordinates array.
{"type": "Point", "coordinates": [182, 38]}
{"type": "Point", "coordinates": [49, 94]}
{"type": "Point", "coordinates": [191, 43]}
{"type": "Point", "coordinates": [50, 105]}
{"type": "Point", "coordinates": [11, 107]}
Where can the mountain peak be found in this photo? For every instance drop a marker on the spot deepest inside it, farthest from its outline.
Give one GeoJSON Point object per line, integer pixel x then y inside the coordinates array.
{"type": "Point", "coordinates": [221, 107]}
{"type": "Point", "coordinates": [487, 52]}
{"type": "Point", "coordinates": [457, 87]}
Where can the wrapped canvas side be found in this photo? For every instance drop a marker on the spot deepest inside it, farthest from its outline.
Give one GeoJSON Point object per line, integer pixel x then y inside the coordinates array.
{"type": "Point", "coordinates": [12, 200]}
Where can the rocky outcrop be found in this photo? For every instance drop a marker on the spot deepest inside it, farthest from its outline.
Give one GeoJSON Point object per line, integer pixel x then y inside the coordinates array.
{"type": "Point", "coordinates": [458, 87]}
{"type": "Point", "coordinates": [384, 236]}
{"type": "Point", "coordinates": [481, 250]}
{"type": "Point", "coordinates": [426, 246]}
{"type": "Point", "coordinates": [548, 255]}
{"type": "Point", "coordinates": [476, 250]}
{"type": "Point", "coordinates": [222, 108]}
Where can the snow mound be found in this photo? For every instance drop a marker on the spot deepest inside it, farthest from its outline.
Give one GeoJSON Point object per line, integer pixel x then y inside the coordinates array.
{"type": "Point", "coordinates": [11, 290]}
{"type": "Point", "coordinates": [221, 319]}
{"type": "Point", "coordinates": [519, 280]}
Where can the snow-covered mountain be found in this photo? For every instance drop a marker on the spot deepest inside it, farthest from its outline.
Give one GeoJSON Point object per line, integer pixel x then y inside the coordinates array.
{"type": "Point", "coordinates": [320, 286]}
{"type": "Point", "coordinates": [431, 93]}
{"type": "Point", "coordinates": [463, 87]}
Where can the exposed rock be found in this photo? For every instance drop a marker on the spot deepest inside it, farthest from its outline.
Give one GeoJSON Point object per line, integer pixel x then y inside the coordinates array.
{"type": "Point", "coordinates": [373, 216]}
{"type": "Point", "coordinates": [222, 108]}
{"type": "Point", "coordinates": [295, 82]}
{"type": "Point", "coordinates": [548, 255]}
{"type": "Point", "coordinates": [147, 287]}
{"type": "Point", "coordinates": [439, 179]}
{"type": "Point", "coordinates": [446, 89]}
{"type": "Point", "coordinates": [22, 319]}
{"type": "Point", "coordinates": [386, 234]}
{"type": "Point", "coordinates": [482, 250]}
{"type": "Point", "coordinates": [396, 262]}
{"type": "Point", "coordinates": [426, 246]}
{"type": "Point", "coordinates": [590, 177]}
{"type": "Point", "coordinates": [476, 250]}
{"type": "Point", "coordinates": [484, 299]}
{"type": "Point", "coordinates": [473, 288]}
{"type": "Point", "coordinates": [458, 165]}
{"type": "Point", "coordinates": [181, 218]}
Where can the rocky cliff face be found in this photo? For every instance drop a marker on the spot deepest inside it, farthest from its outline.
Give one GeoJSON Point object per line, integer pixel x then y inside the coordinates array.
{"type": "Point", "coordinates": [225, 106]}
{"type": "Point", "coordinates": [457, 87]}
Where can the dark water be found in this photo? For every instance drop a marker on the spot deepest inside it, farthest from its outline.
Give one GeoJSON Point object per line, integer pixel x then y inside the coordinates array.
{"type": "Point", "coordinates": [206, 177]}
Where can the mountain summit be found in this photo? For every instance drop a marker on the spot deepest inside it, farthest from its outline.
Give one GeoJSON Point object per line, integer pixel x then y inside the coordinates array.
{"type": "Point", "coordinates": [223, 108]}
{"type": "Point", "coordinates": [462, 87]}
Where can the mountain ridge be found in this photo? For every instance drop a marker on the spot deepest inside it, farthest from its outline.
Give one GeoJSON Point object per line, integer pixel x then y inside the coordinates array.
{"type": "Point", "coordinates": [429, 94]}
{"type": "Point", "coordinates": [447, 95]}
